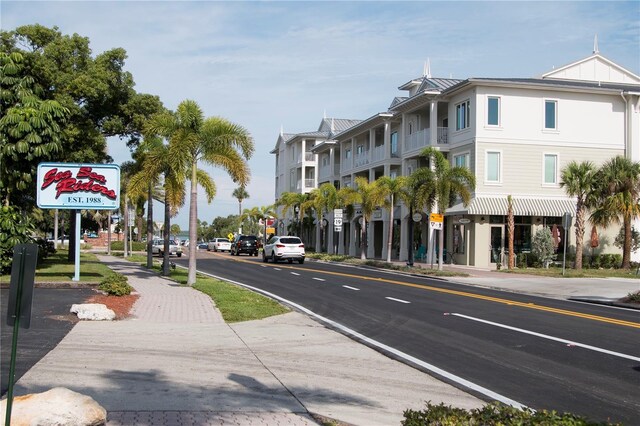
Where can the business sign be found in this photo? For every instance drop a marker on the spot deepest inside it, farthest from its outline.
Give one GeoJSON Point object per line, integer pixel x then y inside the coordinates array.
{"type": "Point", "coordinates": [78, 186]}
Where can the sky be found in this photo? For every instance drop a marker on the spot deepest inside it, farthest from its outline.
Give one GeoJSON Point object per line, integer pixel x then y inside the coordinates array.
{"type": "Point", "coordinates": [286, 64]}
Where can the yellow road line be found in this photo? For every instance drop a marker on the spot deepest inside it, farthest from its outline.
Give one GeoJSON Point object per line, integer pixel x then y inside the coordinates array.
{"type": "Point", "coordinates": [475, 296]}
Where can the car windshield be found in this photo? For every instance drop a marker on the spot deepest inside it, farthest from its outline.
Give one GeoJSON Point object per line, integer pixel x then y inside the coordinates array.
{"type": "Point", "coordinates": [223, 240]}
{"type": "Point", "coordinates": [290, 240]}
{"type": "Point", "coordinates": [248, 238]}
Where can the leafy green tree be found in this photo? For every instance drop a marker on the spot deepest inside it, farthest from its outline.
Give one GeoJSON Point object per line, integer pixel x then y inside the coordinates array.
{"type": "Point", "coordinates": [30, 129]}
{"type": "Point", "coordinates": [15, 228]}
{"type": "Point", "coordinates": [214, 141]}
{"type": "Point", "coordinates": [542, 246]}
{"type": "Point", "coordinates": [635, 239]}
{"type": "Point", "coordinates": [578, 180]}
{"type": "Point", "coordinates": [450, 183]}
{"type": "Point", "coordinates": [618, 199]}
{"type": "Point", "coordinates": [392, 188]}
{"type": "Point", "coordinates": [369, 196]}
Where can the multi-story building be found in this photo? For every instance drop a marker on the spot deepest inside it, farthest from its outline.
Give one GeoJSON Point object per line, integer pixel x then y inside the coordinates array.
{"type": "Point", "coordinates": [514, 134]}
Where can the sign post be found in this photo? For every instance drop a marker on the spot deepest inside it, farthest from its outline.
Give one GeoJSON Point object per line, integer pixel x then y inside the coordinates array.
{"type": "Point", "coordinates": [436, 222]}
{"type": "Point", "coordinates": [78, 186]}
{"type": "Point", "coordinates": [23, 272]}
{"type": "Point", "coordinates": [337, 228]}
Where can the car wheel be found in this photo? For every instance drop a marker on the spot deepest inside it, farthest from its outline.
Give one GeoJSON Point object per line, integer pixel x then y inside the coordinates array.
{"type": "Point", "coordinates": [290, 260]}
{"type": "Point", "coordinates": [273, 257]}
{"type": "Point", "coordinates": [179, 254]}
{"type": "Point", "coordinates": [255, 253]}
{"type": "Point", "coordinates": [301, 261]}
{"type": "Point", "coordinates": [265, 259]}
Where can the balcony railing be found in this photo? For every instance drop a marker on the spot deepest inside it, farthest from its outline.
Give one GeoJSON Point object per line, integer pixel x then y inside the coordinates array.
{"type": "Point", "coordinates": [310, 183]}
{"type": "Point", "coordinates": [422, 139]}
{"type": "Point", "coordinates": [361, 159]}
{"type": "Point", "coordinates": [378, 153]}
{"type": "Point", "coordinates": [309, 156]}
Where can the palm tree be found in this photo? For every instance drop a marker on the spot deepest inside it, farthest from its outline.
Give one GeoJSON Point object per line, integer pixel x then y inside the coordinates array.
{"type": "Point", "coordinates": [391, 187]}
{"type": "Point", "coordinates": [618, 199]}
{"type": "Point", "coordinates": [294, 200]}
{"type": "Point", "coordinates": [255, 214]}
{"type": "Point", "coordinates": [214, 141]}
{"type": "Point", "coordinates": [369, 196]}
{"type": "Point", "coordinates": [577, 179]}
{"type": "Point", "coordinates": [511, 227]}
{"type": "Point", "coordinates": [240, 193]}
{"type": "Point", "coordinates": [326, 199]}
{"type": "Point", "coordinates": [157, 162]}
{"type": "Point", "coordinates": [418, 194]}
{"type": "Point", "coordinates": [450, 182]}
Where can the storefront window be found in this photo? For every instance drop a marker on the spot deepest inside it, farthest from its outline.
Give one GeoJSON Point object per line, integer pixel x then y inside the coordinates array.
{"type": "Point", "coordinates": [458, 239]}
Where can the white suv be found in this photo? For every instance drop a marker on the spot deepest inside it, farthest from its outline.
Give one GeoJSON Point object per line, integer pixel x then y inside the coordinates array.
{"type": "Point", "coordinates": [283, 247]}
{"type": "Point", "coordinates": [158, 248]}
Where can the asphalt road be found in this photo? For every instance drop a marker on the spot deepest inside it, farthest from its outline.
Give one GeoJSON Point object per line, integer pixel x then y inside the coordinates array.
{"type": "Point", "coordinates": [50, 322]}
{"type": "Point", "coordinates": [542, 353]}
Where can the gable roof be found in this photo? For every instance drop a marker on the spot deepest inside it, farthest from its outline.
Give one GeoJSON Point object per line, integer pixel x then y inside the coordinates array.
{"type": "Point", "coordinates": [336, 125]}
{"type": "Point", "coordinates": [594, 68]}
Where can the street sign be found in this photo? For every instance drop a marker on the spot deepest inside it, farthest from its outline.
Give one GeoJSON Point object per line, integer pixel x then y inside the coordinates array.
{"type": "Point", "coordinates": [337, 221]}
{"type": "Point", "coordinates": [436, 217]}
{"type": "Point", "coordinates": [337, 213]}
{"type": "Point", "coordinates": [417, 217]}
{"type": "Point", "coordinates": [567, 220]}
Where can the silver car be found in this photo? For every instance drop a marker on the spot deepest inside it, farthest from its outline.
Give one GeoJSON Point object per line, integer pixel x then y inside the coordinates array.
{"type": "Point", "coordinates": [283, 247]}
{"type": "Point", "coordinates": [158, 248]}
{"type": "Point", "coordinates": [219, 244]}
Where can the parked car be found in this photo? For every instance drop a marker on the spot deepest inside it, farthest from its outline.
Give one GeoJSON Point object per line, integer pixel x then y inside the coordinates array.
{"type": "Point", "coordinates": [203, 246]}
{"type": "Point", "coordinates": [158, 248]}
{"type": "Point", "coordinates": [284, 247]}
{"type": "Point", "coordinates": [219, 244]}
{"type": "Point", "coordinates": [244, 244]}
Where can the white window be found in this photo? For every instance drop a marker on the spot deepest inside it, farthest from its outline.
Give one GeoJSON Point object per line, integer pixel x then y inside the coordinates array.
{"type": "Point", "coordinates": [325, 160]}
{"type": "Point", "coordinates": [359, 149]}
{"type": "Point", "coordinates": [493, 111]}
{"type": "Point", "coordinates": [550, 114]}
{"type": "Point", "coordinates": [493, 167]}
{"type": "Point", "coordinates": [347, 154]}
{"type": "Point", "coordinates": [461, 160]}
{"type": "Point", "coordinates": [463, 111]}
{"type": "Point", "coordinates": [550, 169]}
{"type": "Point", "coordinates": [394, 143]}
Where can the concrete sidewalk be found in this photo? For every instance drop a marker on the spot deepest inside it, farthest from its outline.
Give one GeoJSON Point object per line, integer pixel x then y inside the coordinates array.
{"type": "Point", "coordinates": [176, 362]}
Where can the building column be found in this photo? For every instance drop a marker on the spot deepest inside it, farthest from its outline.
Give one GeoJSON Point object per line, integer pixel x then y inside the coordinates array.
{"type": "Point", "coordinates": [330, 233]}
{"type": "Point", "coordinates": [385, 236]}
{"type": "Point", "coordinates": [354, 236]}
{"type": "Point", "coordinates": [404, 229]}
{"type": "Point", "coordinates": [332, 165]}
{"type": "Point", "coordinates": [387, 140]}
{"type": "Point", "coordinates": [433, 122]}
{"type": "Point", "coordinates": [371, 252]}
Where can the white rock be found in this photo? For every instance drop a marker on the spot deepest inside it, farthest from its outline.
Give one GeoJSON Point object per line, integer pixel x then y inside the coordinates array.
{"type": "Point", "coordinates": [58, 406]}
{"type": "Point", "coordinates": [93, 311]}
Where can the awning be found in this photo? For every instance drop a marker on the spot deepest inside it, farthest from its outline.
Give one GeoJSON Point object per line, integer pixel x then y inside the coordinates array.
{"type": "Point", "coordinates": [521, 206]}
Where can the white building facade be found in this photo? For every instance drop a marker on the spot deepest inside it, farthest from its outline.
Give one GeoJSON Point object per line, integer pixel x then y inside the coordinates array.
{"type": "Point", "coordinates": [514, 134]}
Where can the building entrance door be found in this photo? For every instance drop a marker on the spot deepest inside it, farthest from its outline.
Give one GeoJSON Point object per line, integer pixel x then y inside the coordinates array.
{"type": "Point", "coordinates": [497, 244]}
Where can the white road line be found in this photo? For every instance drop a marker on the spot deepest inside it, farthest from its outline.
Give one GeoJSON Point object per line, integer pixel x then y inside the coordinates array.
{"type": "Point", "coordinates": [295, 273]}
{"type": "Point", "coordinates": [546, 336]}
{"type": "Point", "coordinates": [491, 395]}
{"type": "Point", "coordinates": [351, 288]}
{"type": "Point", "coordinates": [319, 279]}
{"type": "Point", "coordinates": [277, 269]}
{"type": "Point", "coordinates": [397, 300]}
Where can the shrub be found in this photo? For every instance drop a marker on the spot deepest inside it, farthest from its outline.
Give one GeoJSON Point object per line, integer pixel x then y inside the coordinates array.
{"type": "Point", "coordinates": [542, 246]}
{"type": "Point", "coordinates": [135, 246]}
{"type": "Point", "coordinates": [116, 284]}
{"type": "Point", "coordinates": [489, 415]}
{"type": "Point", "coordinates": [45, 248]}
{"type": "Point", "coordinates": [15, 228]}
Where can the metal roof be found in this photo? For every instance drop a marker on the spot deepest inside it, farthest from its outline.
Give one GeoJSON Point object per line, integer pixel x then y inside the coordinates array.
{"type": "Point", "coordinates": [561, 83]}
{"type": "Point", "coordinates": [437, 83]}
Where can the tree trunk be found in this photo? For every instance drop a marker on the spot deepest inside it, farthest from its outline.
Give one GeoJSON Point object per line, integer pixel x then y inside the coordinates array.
{"type": "Point", "coordinates": [150, 227]}
{"type": "Point", "coordinates": [363, 239]}
{"type": "Point", "coordinates": [579, 233]}
{"type": "Point", "coordinates": [626, 253]}
{"type": "Point", "coordinates": [193, 224]}
{"type": "Point", "coordinates": [167, 235]}
{"type": "Point", "coordinates": [126, 228]}
{"type": "Point", "coordinates": [410, 239]}
{"type": "Point", "coordinates": [390, 235]}
{"type": "Point", "coordinates": [109, 232]}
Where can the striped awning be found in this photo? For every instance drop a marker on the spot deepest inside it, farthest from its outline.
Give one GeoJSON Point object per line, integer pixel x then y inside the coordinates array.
{"type": "Point", "coordinates": [521, 206]}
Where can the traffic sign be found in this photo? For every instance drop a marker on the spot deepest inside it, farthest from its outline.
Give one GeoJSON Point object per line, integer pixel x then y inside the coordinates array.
{"type": "Point", "coordinates": [436, 217]}
{"type": "Point", "coordinates": [436, 225]}
{"type": "Point", "coordinates": [337, 221]}
{"type": "Point", "coordinates": [337, 213]}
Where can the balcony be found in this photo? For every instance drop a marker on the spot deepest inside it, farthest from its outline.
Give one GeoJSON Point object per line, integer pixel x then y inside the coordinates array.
{"type": "Point", "coordinates": [309, 156]}
{"type": "Point", "coordinates": [378, 153]}
{"type": "Point", "coordinates": [422, 139]}
{"type": "Point", "coordinates": [361, 159]}
{"type": "Point", "coordinates": [309, 183]}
